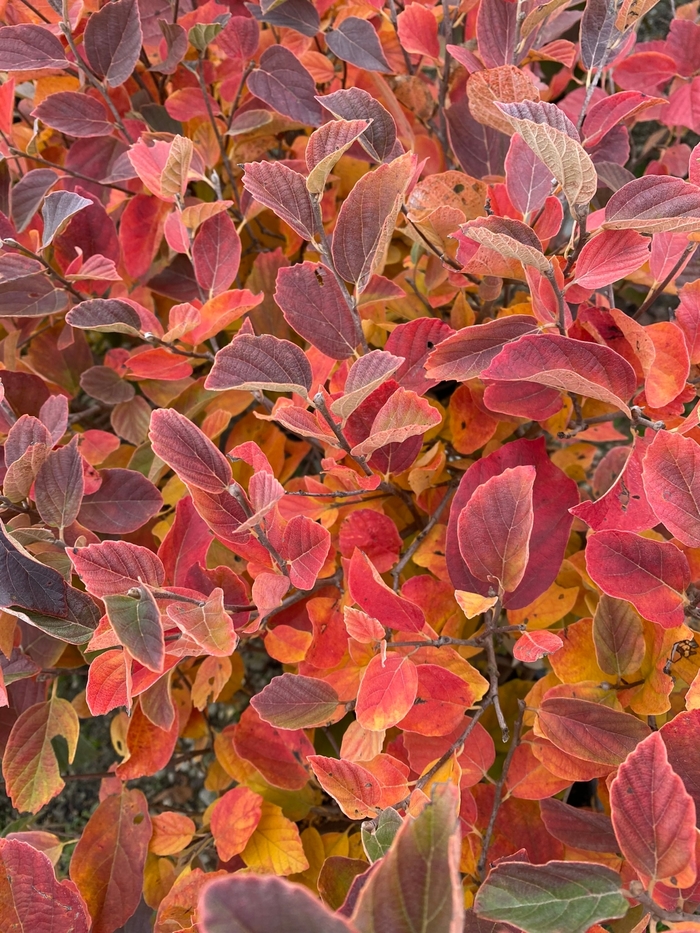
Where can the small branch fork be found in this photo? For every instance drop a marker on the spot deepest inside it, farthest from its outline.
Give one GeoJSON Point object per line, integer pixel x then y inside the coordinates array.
{"type": "Point", "coordinates": [498, 790]}
{"type": "Point", "coordinates": [636, 892]}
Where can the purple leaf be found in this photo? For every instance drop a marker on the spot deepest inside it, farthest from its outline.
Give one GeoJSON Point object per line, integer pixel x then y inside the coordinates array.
{"type": "Point", "coordinates": [284, 192]}
{"type": "Point", "coordinates": [124, 502]}
{"type": "Point", "coordinates": [283, 83]}
{"type": "Point", "coordinates": [379, 139]}
{"type": "Point", "coordinates": [113, 40]}
{"type": "Point", "coordinates": [74, 114]}
{"type": "Point", "coordinates": [264, 362]}
{"type": "Point", "coordinates": [29, 48]}
{"type": "Point", "coordinates": [28, 194]}
{"type": "Point", "coordinates": [58, 208]}
{"type": "Point", "coordinates": [314, 306]}
{"type": "Point", "coordinates": [356, 41]}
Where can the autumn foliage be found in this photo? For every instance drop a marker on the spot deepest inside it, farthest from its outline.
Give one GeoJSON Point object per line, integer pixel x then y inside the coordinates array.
{"type": "Point", "coordinates": [350, 510]}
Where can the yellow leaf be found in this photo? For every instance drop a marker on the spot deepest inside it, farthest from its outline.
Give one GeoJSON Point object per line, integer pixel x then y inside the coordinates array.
{"type": "Point", "coordinates": [29, 764]}
{"type": "Point", "coordinates": [275, 848]}
{"type": "Point", "coordinates": [472, 604]}
{"type": "Point", "coordinates": [548, 609]}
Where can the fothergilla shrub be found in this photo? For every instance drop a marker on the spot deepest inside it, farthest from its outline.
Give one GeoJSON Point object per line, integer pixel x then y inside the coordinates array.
{"type": "Point", "coordinates": [350, 513]}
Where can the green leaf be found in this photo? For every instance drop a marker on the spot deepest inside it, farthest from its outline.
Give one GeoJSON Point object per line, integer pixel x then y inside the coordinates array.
{"type": "Point", "coordinates": [378, 835]}
{"type": "Point", "coordinates": [416, 887]}
{"type": "Point", "coordinates": [551, 898]}
{"type": "Point", "coordinates": [203, 33]}
{"type": "Point", "coordinates": [138, 627]}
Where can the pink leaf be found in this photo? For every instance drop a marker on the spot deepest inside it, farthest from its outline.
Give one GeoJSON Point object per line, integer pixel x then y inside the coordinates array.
{"type": "Point", "coordinates": [305, 546]}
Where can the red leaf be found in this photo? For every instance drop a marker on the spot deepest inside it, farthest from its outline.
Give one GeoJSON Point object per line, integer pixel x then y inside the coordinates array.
{"type": "Point", "coordinates": [375, 534]}
{"type": "Point", "coordinates": [140, 232]}
{"type": "Point", "coordinates": [654, 203]}
{"type": "Point", "coordinates": [553, 495]}
{"type": "Point", "coordinates": [528, 180]}
{"type": "Point", "coordinates": [589, 730]}
{"type": "Point", "coordinates": [372, 594]}
{"type": "Point", "coordinates": [610, 256]}
{"type": "Point", "coordinates": [315, 307]}
{"type": "Point", "coordinates": [672, 484]}
{"type": "Point", "coordinates": [654, 816]}
{"type": "Point", "coordinates": [681, 735]}
{"type": "Point", "coordinates": [188, 451]}
{"type": "Point", "coordinates": [234, 819]}
{"type": "Point", "coordinates": [580, 828]}
{"type": "Point", "coordinates": [124, 502]}
{"type": "Point", "coordinates": [356, 790]}
{"type": "Point", "coordinates": [531, 646]}
{"type": "Point", "coordinates": [624, 507]}
{"type": "Point", "coordinates": [496, 33]}
{"type": "Point", "coordinates": [607, 113]}
{"type": "Point", "coordinates": [109, 682]}
{"type": "Point", "coordinates": [418, 31]}
{"type": "Point", "coordinates": [30, 48]}
{"type": "Point", "coordinates": [415, 341]}
{"type": "Point", "coordinates": [186, 543]}
{"type": "Point", "coordinates": [284, 191]}
{"type": "Point", "coordinates": [112, 41]}
{"type": "Point", "coordinates": [278, 754]}
{"type": "Point", "coordinates": [265, 362]}
{"type": "Point", "coordinates": [210, 626]}
{"type": "Point", "coordinates": [292, 701]}
{"type": "Point", "coordinates": [366, 220]}
{"type": "Point", "coordinates": [387, 691]}
{"type": "Point", "coordinates": [652, 575]}
{"type": "Point", "coordinates": [495, 526]}
{"type": "Point", "coordinates": [74, 114]}
{"type": "Point", "coordinates": [108, 861]}
{"type": "Point", "coordinates": [403, 416]}
{"type": "Point", "coordinates": [469, 352]}
{"type": "Point", "coordinates": [115, 566]}
{"type": "Point", "coordinates": [305, 545]}
{"type": "Point", "coordinates": [216, 254]}
{"type": "Point", "coordinates": [29, 892]}
{"type": "Point", "coordinates": [442, 698]}
{"type": "Point", "coordinates": [567, 365]}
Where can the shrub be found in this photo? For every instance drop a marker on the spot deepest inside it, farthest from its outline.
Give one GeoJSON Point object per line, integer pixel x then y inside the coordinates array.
{"type": "Point", "coordinates": [350, 518]}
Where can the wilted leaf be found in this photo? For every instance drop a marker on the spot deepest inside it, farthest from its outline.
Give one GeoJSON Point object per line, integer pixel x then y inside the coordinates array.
{"type": "Point", "coordinates": [326, 145]}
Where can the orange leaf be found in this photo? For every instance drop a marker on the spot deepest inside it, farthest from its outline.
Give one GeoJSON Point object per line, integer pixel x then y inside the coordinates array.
{"type": "Point", "coordinates": [387, 692]}
{"type": "Point", "coordinates": [172, 832]}
{"type": "Point", "coordinates": [234, 819]}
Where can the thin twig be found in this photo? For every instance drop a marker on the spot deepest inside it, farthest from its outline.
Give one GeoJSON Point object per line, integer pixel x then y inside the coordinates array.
{"type": "Point", "coordinates": [430, 774]}
{"type": "Point", "coordinates": [17, 154]}
{"type": "Point", "coordinates": [498, 790]}
{"type": "Point", "coordinates": [420, 538]}
{"type": "Point", "coordinates": [655, 292]}
{"type": "Point", "coordinates": [636, 891]}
